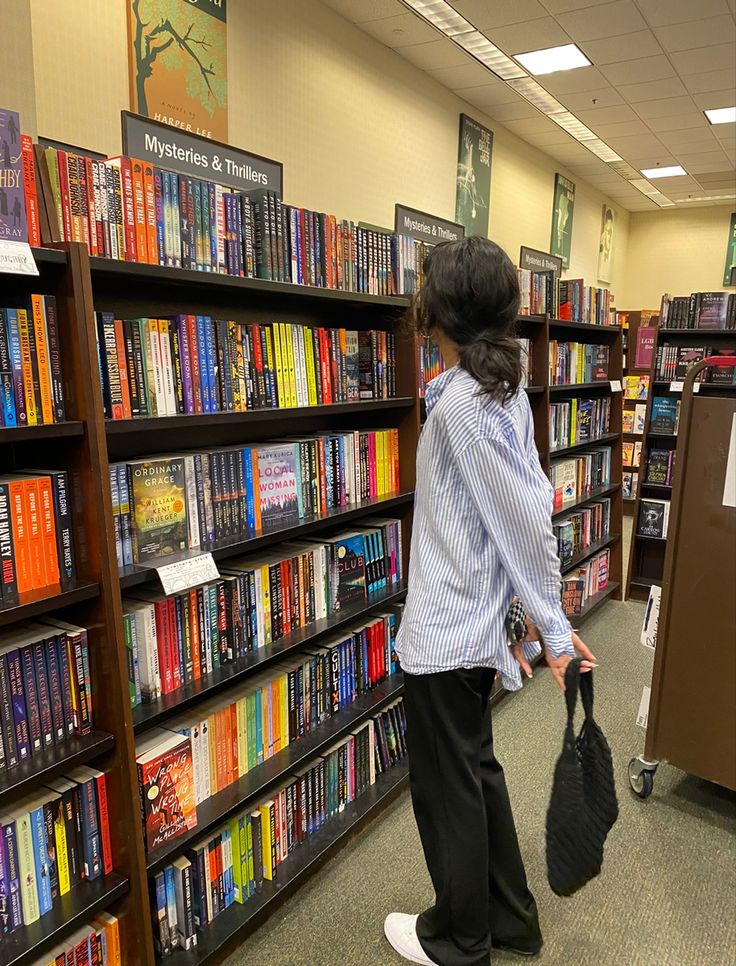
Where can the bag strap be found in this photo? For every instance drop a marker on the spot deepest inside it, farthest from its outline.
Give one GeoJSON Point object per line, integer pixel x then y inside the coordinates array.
{"type": "Point", "coordinates": [586, 694]}
{"type": "Point", "coordinates": [572, 684]}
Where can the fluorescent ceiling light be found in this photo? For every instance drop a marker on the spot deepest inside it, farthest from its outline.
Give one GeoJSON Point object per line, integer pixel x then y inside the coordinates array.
{"type": "Point", "coordinates": [601, 150]}
{"type": "Point", "coordinates": [568, 122]}
{"type": "Point", "coordinates": [441, 15]}
{"type": "Point", "coordinates": [641, 184]}
{"type": "Point", "coordinates": [686, 201]}
{"type": "Point", "coordinates": [479, 46]}
{"type": "Point", "coordinates": [536, 95]}
{"type": "Point", "coordinates": [662, 200]}
{"type": "Point", "coordinates": [624, 169]}
{"type": "Point", "coordinates": [721, 115]}
{"type": "Point", "coordinates": [669, 171]}
{"type": "Point", "coordinates": [567, 57]}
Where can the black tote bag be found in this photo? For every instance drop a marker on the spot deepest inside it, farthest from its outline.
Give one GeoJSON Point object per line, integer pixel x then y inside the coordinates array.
{"type": "Point", "coordinates": [583, 806]}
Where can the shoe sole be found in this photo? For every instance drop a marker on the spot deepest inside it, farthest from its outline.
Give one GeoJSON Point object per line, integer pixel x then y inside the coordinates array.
{"type": "Point", "coordinates": [517, 952]}
{"type": "Point", "coordinates": [404, 953]}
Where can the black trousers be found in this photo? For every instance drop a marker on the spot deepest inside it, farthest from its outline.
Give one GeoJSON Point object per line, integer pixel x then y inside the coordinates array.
{"type": "Point", "coordinates": [463, 812]}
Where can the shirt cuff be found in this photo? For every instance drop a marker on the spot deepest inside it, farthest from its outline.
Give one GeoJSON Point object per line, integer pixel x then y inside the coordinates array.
{"type": "Point", "coordinates": [559, 644]}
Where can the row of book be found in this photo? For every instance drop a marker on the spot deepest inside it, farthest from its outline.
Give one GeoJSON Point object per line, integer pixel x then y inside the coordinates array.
{"type": "Point", "coordinates": [45, 691]}
{"type": "Point", "coordinates": [660, 466]}
{"type": "Point", "coordinates": [654, 518]}
{"type": "Point", "coordinates": [664, 418]}
{"type": "Point", "coordinates": [50, 842]}
{"type": "Point", "coordinates": [576, 421]}
{"type": "Point", "coordinates": [539, 292]}
{"type": "Point", "coordinates": [181, 638]}
{"type": "Point", "coordinates": [580, 530]}
{"type": "Point", "coordinates": [97, 943]}
{"type": "Point", "coordinates": [430, 362]}
{"type": "Point", "coordinates": [230, 864]}
{"type": "Point", "coordinates": [36, 542]}
{"type": "Point", "coordinates": [575, 478]}
{"type": "Point", "coordinates": [204, 498]}
{"type": "Point", "coordinates": [195, 364]}
{"type": "Point", "coordinates": [631, 452]}
{"type": "Point", "coordinates": [633, 420]}
{"type": "Point", "coordinates": [576, 362]}
{"type": "Point", "coordinates": [409, 269]}
{"type": "Point", "coordinates": [673, 362]}
{"type": "Point", "coordinates": [204, 751]}
{"type": "Point", "coordinates": [584, 582]}
{"type": "Point", "coordinates": [700, 310]}
{"type": "Point", "coordinates": [31, 387]}
{"type": "Point", "coordinates": [579, 302]}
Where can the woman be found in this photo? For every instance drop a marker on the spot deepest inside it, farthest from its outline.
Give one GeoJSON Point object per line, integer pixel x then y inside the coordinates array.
{"type": "Point", "coordinates": [482, 534]}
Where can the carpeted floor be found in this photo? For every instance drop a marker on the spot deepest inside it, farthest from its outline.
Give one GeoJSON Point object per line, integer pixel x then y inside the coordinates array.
{"type": "Point", "coordinates": [667, 893]}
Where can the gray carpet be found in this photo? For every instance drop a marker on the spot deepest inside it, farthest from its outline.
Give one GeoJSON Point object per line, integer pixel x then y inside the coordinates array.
{"type": "Point", "coordinates": [667, 893]}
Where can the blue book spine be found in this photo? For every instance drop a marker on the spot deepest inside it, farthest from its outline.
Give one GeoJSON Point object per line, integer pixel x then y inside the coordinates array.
{"type": "Point", "coordinates": [7, 393]}
{"type": "Point", "coordinates": [9, 846]}
{"type": "Point", "coordinates": [341, 655]}
{"type": "Point", "coordinates": [250, 498]}
{"type": "Point", "coordinates": [226, 380]}
{"type": "Point", "coordinates": [126, 538]}
{"type": "Point", "coordinates": [180, 640]}
{"type": "Point", "coordinates": [214, 625]}
{"type": "Point", "coordinates": [203, 363]}
{"type": "Point", "coordinates": [393, 658]}
{"type": "Point", "coordinates": [239, 236]}
{"type": "Point", "coordinates": [90, 829]}
{"type": "Point", "coordinates": [16, 365]}
{"type": "Point", "coordinates": [353, 670]}
{"type": "Point", "coordinates": [158, 190]}
{"type": "Point", "coordinates": [209, 331]}
{"type": "Point", "coordinates": [41, 857]}
{"type": "Point", "coordinates": [170, 893]}
{"type": "Point", "coordinates": [341, 462]}
{"type": "Point", "coordinates": [214, 227]}
{"type": "Point", "coordinates": [364, 655]}
{"type": "Point", "coordinates": [227, 201]}
{"type": "Point", "coordinates": [162, 939]}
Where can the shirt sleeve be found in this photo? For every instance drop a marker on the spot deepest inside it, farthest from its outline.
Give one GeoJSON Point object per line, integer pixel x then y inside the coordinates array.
{"type": "Point", "coordinates": [512, 497]}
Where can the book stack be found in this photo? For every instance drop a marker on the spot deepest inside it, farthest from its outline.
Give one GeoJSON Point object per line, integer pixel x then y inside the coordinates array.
{"type": "Point", "coordinates": [430, 362]}
{"type": "Point", "coordinates": [700, 310]}
{"type": "Point", "coordinates": [587, 580]}
{"type": "Point", "coordinates": [579, 302]}
{"type": "Point", "coordinates": [31, 388]}
{"type": "Point", "coordinates": [673, 361]}
{"type": "Point", "coordinates": [660, 466]}
{"type": "Point", "coordinates": [175, 640]}
{"type": "Point", "coordinates": [231, 863]}
{"type": "Point", "coordinates": [631, 453]}
{"type": "Point", "coordinates": [205, 498]}
{"type": "Point", "coordinates": [577, 362]}
{"type": "Point", "coordinates": [96, 942]}
{"type": "Point", "coordinates": [36, 544]}
{"type": "Point", "coordinates": [45, 692]}
{"type": "Point", "coordinates": [576, 478]}
{"type": "Point", "coordinates": [539, 293]}
{"type": "Point", "coordinates": [654, 518]}
{"type": "Point", "coordinates": [578, 531]}
{"type": "Point", "coordinates": [195, 364]}
{"type": "Point", "coordinates": [578, 420]}
{"type": "Point", "coordinates": [665, 415]}
{"type": "Point", "coordinates": [53, 840]}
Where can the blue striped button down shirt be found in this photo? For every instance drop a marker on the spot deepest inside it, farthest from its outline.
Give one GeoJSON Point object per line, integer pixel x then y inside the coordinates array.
{"type": "Point", "coordinates": [481, 535]}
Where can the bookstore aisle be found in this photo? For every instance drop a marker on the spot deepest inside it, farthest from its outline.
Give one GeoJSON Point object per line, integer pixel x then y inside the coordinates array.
{"type": "Point", "coordinates": [663, 898]}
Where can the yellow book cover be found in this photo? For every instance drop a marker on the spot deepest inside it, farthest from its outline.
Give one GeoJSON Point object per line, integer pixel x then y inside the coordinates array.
{"type": "Point", "coordinates": [574, 422]}
{"type": "Point", "coordinates": [381, 463]}
{"type": "Point", "coordinates": [287, 339]}
{"type": "Point", "coordinates": [395, 476]}
{"type": "Point", "coordinates": [284, 711]}
{"type": "Point", "coordinates": [266, 811]}
{"type": "Point", "coordinates": [250, 867]}
{"type": "Point", "coordinates": [278, 366]}
{"type": "Point", "coordinates": [27, 364]}
{"type": "Point", "coordinates": [43, 361]}
{"type": "Point", "coordinates": [270, 360]}
{"type": "Point", "coordinates": [26, 867]}
{"type": "Point", "coordinates": [158, 503]}
{"type": "Point", "coordinates": [242, 737]}
{"type": "Point", "coordinates": [62, 853]}
{"type": "Point", "coordinates": [309, 365]}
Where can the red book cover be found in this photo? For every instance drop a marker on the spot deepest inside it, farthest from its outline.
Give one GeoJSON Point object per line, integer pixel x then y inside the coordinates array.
{"type": "Point", "coordinates": [95, 225]}
{"type": "Point", "coordinates": [31, 503]}
{"type": "Point", "coordinates": [122, 367]}
{"type": "Point", "coordinates": [166, 784]}
{"type": "Point", "coordinates": [149, 200]}
{"type": "Point", "coordinates": [644, 346]}
{"type": "Point", "coordinates": [162, 644]}
{"type": "Point", "coordinates": [173, 643]}
{"type": "Point", "coordinates": [194, 631]}
{"type": "Point", "coordinates": [126, 186]}
{"type": "Point", "coordinates": [30, 192]}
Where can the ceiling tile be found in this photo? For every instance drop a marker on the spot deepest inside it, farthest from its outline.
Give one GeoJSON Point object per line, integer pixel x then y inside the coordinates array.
{"type": "Point", "coordinates": [400, 31]}
{"type": "Point", "coordinates": [654, 159]}
{"type": "Point", "coordinates": [469, 74]}
{"type": "Point", "coordinates": [606, 115]}
{"type": "Point", "coordinates": [667, 87]}
{"type": "Point", "coordinates": [689, 120]}
{"type": "Point", "coordinates": [664, 107]}
{"type": "Point", "coordinates": [603, 97]}
{"type": "Point", "coordinates": [720, 179]}
{"type": "Point", "coordinates": [712, 99]}
{"type": "Point", "coordinates": [607, 20]}
{"type": "Point", "coordinates": [609, 50]}
{"type": "Point", "coordinates": [530, 125]}
{"type": "Point", "coordinates": [665, 185]}
{"type": "Point", "coordinates": [660, 12]}
{"type": "Point", "coordinates": [694, 140]}
{"type": "Point", "coordinates": [514, 111]}
{"type": "Point", "coordinates": [696, 33]}
{"type": "Point", "coordinates": [558, 136]}
{"type": "Point", "coordinates": [620, 129]}
{"type": "Point", "coordinates": [562, 6]}
{"type": "Point", "coordinates": [488, 95]}
{"type": "Point", "coordinates": [638, 71]}
{"type": "Point", "coordinates": [637, 145]}
{"type": "Point", "coordinates": [702, 163]}
{"type": "Point", "coordinates": [499, 13]}
{"type": "Point", "coordinates": [573, 151]}
{"type": "Point", "coordinates": [359, 11]}
{"type": "Point", "coordinates": [533, 35]}
{"type": "Point", "coordinates": [711, 80]}
{"type": "Point", "coordinates": [436, 54]}
{"type": "Point", "coordinates": [574, 81]}
{"type": "Point", "coordinates": [717, 57]}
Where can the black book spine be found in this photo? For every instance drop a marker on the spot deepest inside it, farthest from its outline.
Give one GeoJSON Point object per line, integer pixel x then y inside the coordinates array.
{"type": "Point", "coordinates": [31, 694]}
{"type": "Point", "coordinates": [44, 694]}
{"type": "Point", "coordinates": [57, 379]}
{"type": "Point", "coordinates": [176, 366]}
{"type": "Point", "coordinates": [133, 383]}
{"type": "Point", "coordinates": [7, 725]}
{"type": "Point", "coordinates": [56, 691]}
{"type": "Point", "coordinates": [139, 368]}
{"type": "Point", "coordinates": [8, 576]}
{"type": "Point", "coordinates": [217, 496]}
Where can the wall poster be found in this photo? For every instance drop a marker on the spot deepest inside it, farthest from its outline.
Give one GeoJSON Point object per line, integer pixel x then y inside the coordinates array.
{"type": "Point", "coordinates": [729, 272]}
{"type": "Point", "coordinates": [473, 185]}
{"type": "Point", "coordinates": [605, 248]}
{"type": "Point", "coordinates": [177, 55]}
{"type": "Point", "coordinates": [562, 211]}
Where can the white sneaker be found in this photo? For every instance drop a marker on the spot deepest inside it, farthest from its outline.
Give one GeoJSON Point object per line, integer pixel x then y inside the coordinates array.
{"type": "Point", "coordinates": [401, 931]}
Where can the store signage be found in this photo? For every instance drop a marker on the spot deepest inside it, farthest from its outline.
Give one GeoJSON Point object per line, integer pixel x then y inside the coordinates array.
{"type": "Point", "coordinates": [198, 157]}
{"type": "Point", "coordinates": [534, 261]}
{"type": "Point", "coordinates": [425, 227]}
{"type": "Point", "coordinates": [181, 575]}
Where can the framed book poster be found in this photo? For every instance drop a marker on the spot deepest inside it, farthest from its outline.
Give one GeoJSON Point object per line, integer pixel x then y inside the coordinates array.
{"type": "Point", "coordinates": [605, 248]}
{"type": "Point", "coordinates": [473, 184]}
{"type": "Point", "coordinates": [729, 272]}
{"type": "Point", "coordinates": [177, 54]}
{"type": "Point", "coordinates": [563, 207]}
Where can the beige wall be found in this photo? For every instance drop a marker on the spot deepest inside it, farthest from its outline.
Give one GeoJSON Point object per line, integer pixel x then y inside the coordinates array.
{"type": "Point", "coordinates": [676, 251]}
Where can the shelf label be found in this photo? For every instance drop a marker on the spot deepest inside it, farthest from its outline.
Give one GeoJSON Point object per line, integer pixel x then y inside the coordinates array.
{"type": "Point", "coordinates": [676, 386]}
{"type": "Point", "coordinates": [190, 572]}
{"type": "Point", "coordinates": [643, 714]}
{"type": "Point", "coordinates": [616, 385]}
{"type": "Point", "coordinates": [425, 227]}
{"type": "Point", "coordinates": [16, 258]}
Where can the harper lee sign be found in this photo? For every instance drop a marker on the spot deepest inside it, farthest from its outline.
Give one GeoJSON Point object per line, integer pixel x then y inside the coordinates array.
{"type": "Point", "coordinates": [198, 157]}
{"type": "Point", "coordinates": [425, 227]}
{"type": "Point", "coordinates": [534, 261]}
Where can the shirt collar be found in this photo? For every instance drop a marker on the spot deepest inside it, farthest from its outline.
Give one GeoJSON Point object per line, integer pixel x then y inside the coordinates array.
{"type": "Point", "coordinates": [436, 387]}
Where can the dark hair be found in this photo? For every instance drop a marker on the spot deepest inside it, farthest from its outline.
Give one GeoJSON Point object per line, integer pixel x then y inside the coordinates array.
{"type": "Point", "coordinates": [471, 294]}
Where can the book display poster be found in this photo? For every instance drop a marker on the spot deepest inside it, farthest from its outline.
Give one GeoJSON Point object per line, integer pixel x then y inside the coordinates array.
{"type": "Point", "coordinates": [729, 272]}
{"type": "Point", "coordinates": [13, 224]}
{"type": "Point", "coordinates": [644, 346]}
{"type": "Point", "coordinates": [605, 248]}
{"type": "Point", "coordinates": [473, 185]}
{"type": "Point", "coordinates": [177, 54]}
{"type": "Point", "coordinates": [563, 208]}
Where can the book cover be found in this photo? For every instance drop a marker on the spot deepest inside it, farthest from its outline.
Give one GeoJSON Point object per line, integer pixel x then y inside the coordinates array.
{"type": "Point", "coordinates": [687, 356]}
{"type": "Point", "coordinates": [645, 336]}
{"type": "Point", "coordinates": [713, 311]}
{"type": "Point", "coordinates": [627, 422]}
{"type": "Point", "coordinates": [277, 485]}
{"type": "Point", "coordinates": [653, 516]}
{"type": "Point", "coordinates": [573, 594]}
{"type": "Point", "coordinates": [158, 502]}
{"type": "Point", "coordinates": [628, 489]}
{"type": "Point", "coordinates": [658, 465]}
{"type": "Point", "coordinates": [13, 219]}
{"type": "Point", "coordinates": [640, 413]}
{"type": "Point", "coordinates": [664, 414]}
{"type": "Point", "coordinates": [628, 454]}
{"type": "Point", "coordinates": [349, 569]}
{"type": "Point", "coordinates": [166, 779]}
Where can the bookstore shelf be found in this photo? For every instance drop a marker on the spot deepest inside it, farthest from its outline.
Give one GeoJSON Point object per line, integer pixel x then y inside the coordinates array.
{"type": "Point", "coordinates": [221, 806]}
{"type": "Point", "coordinates": [134, 574]}
{"type": "Point", "coordinates": [52, 762]}
{"type": "Point", "coordinates": [559, 324]}
{"type": "Point", "coordinates": [590, 498]}
{"type": "Point", "coordinates": [661, 487]}
{"type": "Point", "coordinates": [645, 582]}
{"type": "Point", "coordinates": [17, 434]}
{"type": "Point", "coordinates": [648, 539]}
{"type": "Point", "coordinates": [147, 716]}
{"type": "Point", "coordinates": [667, 384]}
{"type": "Point", "coordinates": [185, 277]}
{"type": "Point", "coordinates": [697, 333]}
{"type": "Point", "coordinates": [236, 922]}
{"type": "Point", "coordinates": [576, 387]}
{"type": "Point", "coordinates": [596, 441]}
{"type": "Point", "coordinates": [49, 256]}
{"type": "Point", "coordinates": [165, 423]}
{"type": "Point", "coordinates": [33, 603]}
{"type": "Point", "coordinates": [533, 390]}
{"type": "Point", "coordinates": [592, 604]}
{"type": "Point", "coordinates": [590, 551]}
{"type": "Point", "coordinates": [75, 909]}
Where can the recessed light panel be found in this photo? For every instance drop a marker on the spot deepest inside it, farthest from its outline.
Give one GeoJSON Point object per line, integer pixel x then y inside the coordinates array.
{"type": "Point", "coordinates": [671, 171]}
{"type": "Point", "coordinates": [442, 15]}
{"type": "Point", "coordinates": [567, 57]}
{"type": "Point", "coordinates": [721, 115]}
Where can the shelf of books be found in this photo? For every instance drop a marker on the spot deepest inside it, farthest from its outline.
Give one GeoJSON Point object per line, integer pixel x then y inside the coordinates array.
{"type": "Point", "coordinates": [690, 329]}
{"type": "Point", "coordinates": [639, 330]}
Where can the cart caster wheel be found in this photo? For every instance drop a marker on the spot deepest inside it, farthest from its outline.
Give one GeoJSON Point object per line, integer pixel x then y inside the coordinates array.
{"type": "Point", "coordinates": [641, 780]}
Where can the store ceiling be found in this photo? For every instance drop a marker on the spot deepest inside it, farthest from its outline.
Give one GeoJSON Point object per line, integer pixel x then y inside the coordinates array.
{"type": "Point", "coordinates": [656, 65]}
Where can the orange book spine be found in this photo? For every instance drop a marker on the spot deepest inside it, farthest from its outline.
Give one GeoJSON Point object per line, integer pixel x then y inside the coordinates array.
{"type": "Point", "coordinates": [19, 520]}
{"type": "Point", "coordinates": [122, 367]}
{"type": "Point", "coordinates": [31, 504]}
{"type": "Point", "coordinates": [233, 742]}
{"type": "Point", "coordinates": [30, 192]}
{"type": "Point", "coordinates": [139, 209]}
{"type": "Point", "coordinates": [42, 360]}
{"type": "Point", "coordinates": [48, 529]}
{"type": "Point", "coordinates": [149, 199]}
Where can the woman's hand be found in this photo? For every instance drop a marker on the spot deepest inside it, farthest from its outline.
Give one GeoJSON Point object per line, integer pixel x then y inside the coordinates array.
{"type": "Point", "coordinates": [558, 665]}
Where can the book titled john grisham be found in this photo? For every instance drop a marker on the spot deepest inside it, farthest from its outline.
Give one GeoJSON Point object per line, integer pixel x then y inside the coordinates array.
{"type": "Point", "coordinates": [159, 507]}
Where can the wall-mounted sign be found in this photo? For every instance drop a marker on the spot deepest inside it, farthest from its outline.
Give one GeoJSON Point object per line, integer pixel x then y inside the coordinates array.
{"type": "Point", "coordinates": [535, 261]}
{"type": "Point", "coordinates": [473, 179]}
{"type": "Point", "coordinates": [176, 150]}
{"type": "Point", "coordinates": [563, 207]}
{"type": "Point", "coordinates": [729, 272]}
{"type": "Point", "coordinates": [605, 248]}
{"type": "Point", "coordinates": [425, 227]}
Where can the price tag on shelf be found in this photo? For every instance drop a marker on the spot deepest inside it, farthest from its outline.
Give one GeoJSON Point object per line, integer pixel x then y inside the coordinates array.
{"type": "Point", "coordinates": [16, 258]}
{"type": "Point", "coordinates": [696, 387]}
{"type": "Point", "coordinates": [616, 385]}
{"type": "Point", "coordinates": [190, 572]}
{"type": "Point", "coordinates": [676, 386]}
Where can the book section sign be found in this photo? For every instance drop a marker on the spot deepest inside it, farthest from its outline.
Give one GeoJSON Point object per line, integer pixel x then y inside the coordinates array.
{"type": "Point", "coordinates": [15, 253]}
